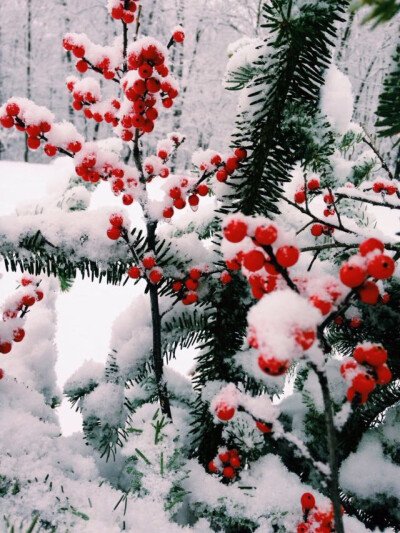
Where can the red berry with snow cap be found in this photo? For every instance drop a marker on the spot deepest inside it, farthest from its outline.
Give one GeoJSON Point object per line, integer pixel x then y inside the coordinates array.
{"type": "Point", "coordinates": [225, 412]}
{"type": "Point", "coordinates": [352, 275]}
{"type": "Point", "coordinates": [134, 272]}
{"type": "Point", "coordinates": [235, 231]}
{"type": "Point", "coordinates": [266, 234]}
{"type": "Point", "coordinates": [149, 262]}
{"type": "Point", "coordinates": [305, 338]}
{"type": "Point", "coordinates": [287, 256]}
{"type": "Point", "coordinates": [179, 36]}
{"type": "Point", "coordinates": [272, 366]}
{"type": "Point", "coordinates": [370, 245]}
{"type": "Point", "coordinates": [113, 233]}
{"type": "Point", "coordinates": [381, 267]}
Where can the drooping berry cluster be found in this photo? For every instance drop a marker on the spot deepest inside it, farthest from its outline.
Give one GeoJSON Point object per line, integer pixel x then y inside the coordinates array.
{"type": "Point", "coordinates": [365, 371]}
{"type": "Point", "coordinates": [384, 186]}
{"type": "Point", "coordinates": [371, 261]}
{"type": "Point", "coordinates": [85, 92]}
{"type": "Point", "coordinates": [11, 328]}
{"type": "Point", "coordinates": [316, 519]}
{"type": "Point", "coordinates": [259, 266]}
{"type": "Point", "coordinates": [117, 10]}
{"type": "Point", "coordinates": [226, 464]}
{"type": "Point", "coordinates": [186, 288]}
{"type": "Point", "coordinates": [148, 268]}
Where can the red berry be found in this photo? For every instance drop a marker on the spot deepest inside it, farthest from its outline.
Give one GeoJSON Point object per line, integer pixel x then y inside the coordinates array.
{"type": "Point", "coordinates": [359, 354]}
{"type": "Point", "coordinates": [26, 281]}
{"type": "Point", "coordinates": [212, 467]}
{"type": "Point", "coordinates": [12, 109]}
{"type": "Point", "coordinates": [323, 305]}
{"type": "Point", "coordinates": [223, 457]}
{"type": "Point", "coordinates": [167, 103]}
{"type": "Point", "coordinates": [363, 383]}
{"type": "Point", "coordinates": [190, 298]}
{"type": "Point", "coordinates": [193, 200]}
{"type": "Point", "coordinates": [266, 235]}
{"type": "Point", "coordinates": [116, 220]}
{"type": "Point", "coordinates": [329, 199]}
{"type": "Point", "coordinates": [313, 184]}
{"type": "Point", "coordinates": [222, 175]}
{"type": "Point", "coordinates": [33, 130]}
{"type": "Point", "coordinates": [345, 367]}
{"type": "Point", "coordinates": [202, 189]}
{"type": "Point", "coordinates": [270, 268]}
{"type": "Point", "coordinates": [307, 501]}
{"type": "Point", "coordinates": [50, 150]}
{"type": "Point", "coordinates": [384, 375]}
{"type": "Point", "coordinates": [317, 230]}
{"type": "Point", "coordinates": [134, 272]}
{"type": "Point", "coordinates": [177, 286]}
{"type": "Point", "coordinates": [155, 275]}
{"type": "Point", "coordinates": [149, 261]}
{"type": "Point", "coordinates": [225, 412]}
{"type": "Point", "coordinates": [216, 160]}
{"type": "Point", "coordinates": [18, 334]}
{"type": "Point", "coordinates": [303, 528]}
{"type": "Point", "coordinates": [5, 347]}
{"type": "Point", "coordinates": [300, 197]}
{"type": "Point", "coordinates": [7, 122]}
{"type": "Point", "coordinates": [82, 66]}
{"type": "Point", "coordinates": [369, 293]}
{"type": "Point", "coordinates": [195, 273]}
{"type": "Point", "coordinates": [378, 186]}
{"type": "Point", "coordinates": [75, 147]}
{"type": "Point", "coordinates": [354, 396]}
{"type": "Point", "coordinates": [231, 165]}
{"type": "Point", "coordinates": [117, 12]}
{"type": "Point", "coordinates": [235, 231]}
{"type": "Point", "coordinates": [241, 153]}
{"type": "Point", "coordinates": [235, 462]}
{"type": "Point", "coordinates": [253, 260]}
{"type": "Point", "coordinates": [154, 86]}
{"type": "Point", "coordinates": [305, 338]}
{"type": "Point", "coordinates": [191, 284]}
{"type": "Point", "coordinates": [263, 427]}
{"type": "Point", "coordinates": [225, 277]}
{"type": "Point", "coordinates": [128, 17]}
{"type": "Point", "coordinates": [1, 373]}
{"type": "Point", "coordinates": [352, 275]}
{"type": "Point", "coordinates": [370, 245]}
{"type": "Point", "coordinates": [355, 322]}
{"type": "Point", "coordinates": [168, 212]}
{"type": "Point", "coordinates": [376, 355]}
{"type": "Point", "coordinates": [272, 366]}
{"type": "Point", "coordinates": [145, 71]}
{"type": "Point", "coordinates": [179, 36]}
{"type": "Point", "coordinates": [28, 300]}
{"type": "Point", "coordinates": [78, 51]}
{"type": "Point", "coordinates": [287, 256]}
{"type": "Point", "coordinates": [179, 203]}
{"type": "Point", "coordinates": [127, 199]}
{"type": "Point", "coordinates": [33, 143]}
{"type": "Point", "coordinates": [229, 472]}
{"type": "Point", "coordinates": [113, 233]}
{"type": "Point", "coordinates": [175, 193]}
{"type": "Point", "coordinates": [381, 267]}
{"type": "Point", "coordinates": [39, 295]}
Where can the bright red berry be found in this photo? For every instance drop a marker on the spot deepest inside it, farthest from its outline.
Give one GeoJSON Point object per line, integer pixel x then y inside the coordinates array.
{"type": "Point", "coordinates": [317, 229]}
{"type": "Point", "coordinates": [212, 467]}
{"type": "Point", "coordinates": [323, 305]}
{"type": "Point", "coordinates": [266, 235]}
{"type": "Point", "coordinates": [7, 122]}
{"type": "Point", "coordinates": [253, 260]}
{"type": "Point", "coordinates": [134, 272]}
{"type": "Point", "coordinates": [50, 150]}
{"type": "Point", "coordinates": [156, 275]}
{"type": "Point", "coordinates": [264, 427]}
{"type": "Point", "coordinates": [229, 472]}
{"type": "Point", "coordinates": [127, 199]}
{"type": "Point", "coordinates": [116, 220]}
{"type": "Point", "coordinates": [241, 153]}
{"type": "Point", "coordinates": [287, 256]}
{"type": "Point", "coordinates": [352, 275]}
{"type": "Point", "coordinates": [28, 300]}
{"type": "Point", "coordinates": [235, 462]}
{"type": "Point", "coordinates": [272, 366]}
{"type": "Point", "coordinates": [376, 355]}
{"type": "Point", "coordinates": [305, 338]}
{"type": "Point", "coordinates": [381, 267]}
{"type": "Point", "coordinates": [235, 231]}
{"type": "Point", "coordinates": [300, 197]}
{"type": "Point", "coordinates": [113, 233]}
{"type": "Point", "coordinates": [179, 36]}
{"type": "Point", "coordinates": [202, 189]}
{"type": "Point", "coordinates": [222, 175]}
{"type": "Point", "coordinates": [5, 347]}
{"type": "Point", "coordinates": [384, 375]}
{"type": "Point", "coordinates": [369, 293]}
{"type": "Point", "coordinates": [177, 286]}
{"type": "Point", "coordinates": [307, 501]}
{"type": "Point", "coordinates": [225, 277]}
{"type": "Point", "coordinates": [363, 383]}
{"type": "Point", "coordinates": [313, 185]}
{"type": "Point", "coordinates": [33, 143]}
{"type": "Point", "coordinates": [18, 334]}
{"type": "Point", "coordinates": [149, 262]}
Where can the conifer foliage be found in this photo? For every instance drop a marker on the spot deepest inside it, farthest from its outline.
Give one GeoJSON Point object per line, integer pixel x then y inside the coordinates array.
{"type": "Point", "coordinates": [268, 260]}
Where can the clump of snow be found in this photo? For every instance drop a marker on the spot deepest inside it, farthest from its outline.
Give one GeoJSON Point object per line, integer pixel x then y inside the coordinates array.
{"type": "Point", "coordinates": [337, 99]}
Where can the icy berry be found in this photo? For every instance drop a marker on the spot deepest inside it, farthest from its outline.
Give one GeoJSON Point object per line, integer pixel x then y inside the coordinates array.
{"type": "Point", "coordinates": [113, 233]}
{"type": "Point", "coordinates": [225, 412]}
{"type": "Point", "coordinates": [28, 300]}
{"type": "Point", "coordinates": [18, 334]}
{"type": "Point", "coordinates": [12, 109]}
{"type": "Point", "coordinates": [287, 256]}
{"type": "Point", "coordinates": [50, 150]}
{"type": "Point", "coordinates": [305, 338]}
{"type": "Point", "coordinates": [323, 305]}
{"type": "Point", "coordinates": [266, 235]}
{"type": "Point", "coordinates": [352, 275]}
{"type": "Point", "coordinates": [381, 267]}
{"type": "Point", "coordinates": [370, 245]}
{"type": "Point", "coordinates": [116, 220]}
{"type": "Point", "coordinates": [272, 366]}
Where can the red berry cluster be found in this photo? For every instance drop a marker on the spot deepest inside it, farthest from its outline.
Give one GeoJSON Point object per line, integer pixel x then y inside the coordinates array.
{"type": "Point", "coordinates": [181, 194]}
{"type": "Point", "coordinates": [384, 187]}
{"type": "Point", "coordinates": [312, 186]}
{"type": "Point", "coordinates": [365, 371]}
{"type": "Point", "coordinates": [94, 164]}
{"type": "Point", "coordinates": [187, 288]}
{"type": "Point", "coordinates": [154, 273]}
{"type": "Point", "coordinates": [11, 329]}
{"type": "Point", "coordinates": [225, 464]}
{"type": "Point", "coordinates": [118, 12]}
{"type": "Point", "coordinates": [85, 92]}
{"type": "Point", "coordinates": [371, 261]}
{"type": "Point", "coordinates": [105, 110]}
{"type": "Point", "coordinates": [315, 520]}
{"type": "Point", "coordinates": [257, 259]}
